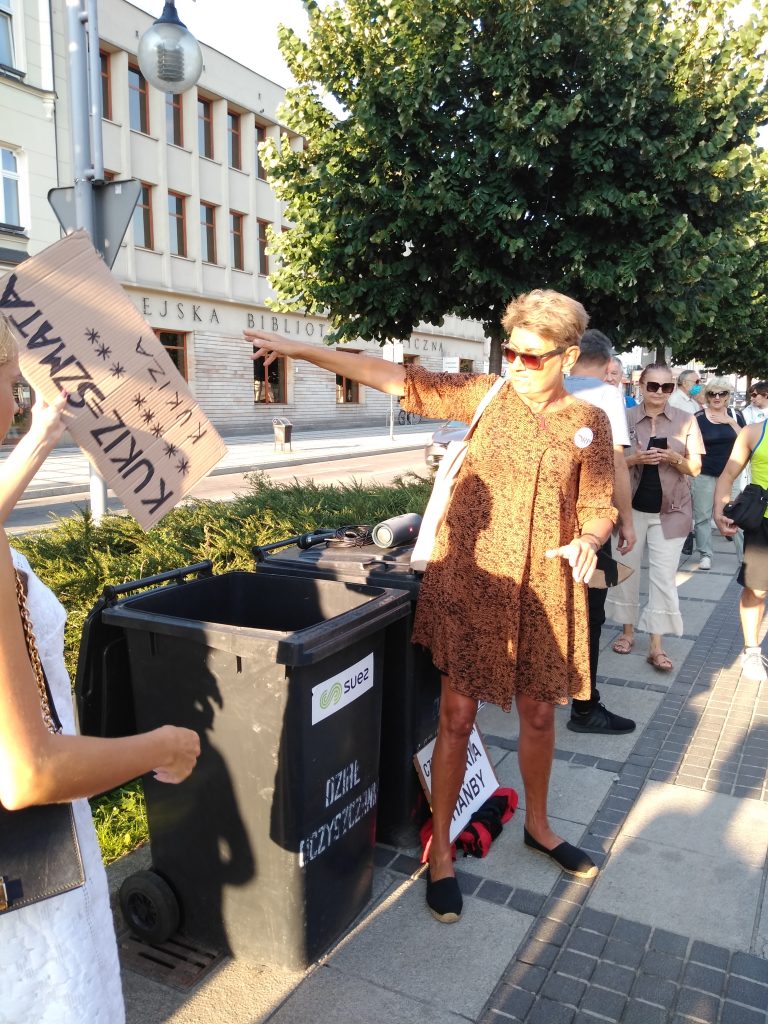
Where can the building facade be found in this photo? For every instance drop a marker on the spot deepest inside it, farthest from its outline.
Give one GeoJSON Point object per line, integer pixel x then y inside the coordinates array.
{"type": "Point", "coordinates": [28, 135]}
{"type": "Point", "coordinates": [195, 260]}
{"type": "Point", "coordinates": [29, 146]}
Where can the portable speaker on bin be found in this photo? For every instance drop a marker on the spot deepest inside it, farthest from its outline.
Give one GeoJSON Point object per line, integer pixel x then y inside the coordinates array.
{"type": "Point", "coordinates": [393, 533]}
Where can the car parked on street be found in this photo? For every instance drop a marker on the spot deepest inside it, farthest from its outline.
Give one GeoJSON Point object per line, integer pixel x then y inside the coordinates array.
{"type": "Point", "coordinates": [452, 430]}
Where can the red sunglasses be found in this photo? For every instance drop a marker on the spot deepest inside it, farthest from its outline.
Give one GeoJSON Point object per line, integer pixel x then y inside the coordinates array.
{"type": "Point", "coordinates": [531, 360]}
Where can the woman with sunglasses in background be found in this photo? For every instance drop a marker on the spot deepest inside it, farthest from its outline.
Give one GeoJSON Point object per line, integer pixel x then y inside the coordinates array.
{"type": "Point", "coordinates": [502, 606]}
{"type": "Point", "coordinates": [719, 429]}
{"type": "Point", "coordinates": [666, 451]}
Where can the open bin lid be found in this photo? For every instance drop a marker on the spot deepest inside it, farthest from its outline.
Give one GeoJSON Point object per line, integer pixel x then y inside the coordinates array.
{"type": "Point", "coordinates": [304, 619]}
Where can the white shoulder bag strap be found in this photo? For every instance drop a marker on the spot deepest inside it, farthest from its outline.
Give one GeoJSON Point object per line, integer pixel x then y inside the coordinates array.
{"type": "Point", "coordinates": [445, 481]}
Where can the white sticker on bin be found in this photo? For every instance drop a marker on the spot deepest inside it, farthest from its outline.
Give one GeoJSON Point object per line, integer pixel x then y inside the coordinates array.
{"type": "Point", "coordinates": [338, 691]}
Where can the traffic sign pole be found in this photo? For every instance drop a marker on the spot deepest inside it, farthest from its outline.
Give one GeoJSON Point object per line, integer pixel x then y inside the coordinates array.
{"type": "Point", "coordinates": [86, 211]}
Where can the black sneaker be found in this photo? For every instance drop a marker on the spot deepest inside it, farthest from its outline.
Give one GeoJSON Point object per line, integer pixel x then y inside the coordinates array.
{"type": "Point", "coordinates": [599, 719]}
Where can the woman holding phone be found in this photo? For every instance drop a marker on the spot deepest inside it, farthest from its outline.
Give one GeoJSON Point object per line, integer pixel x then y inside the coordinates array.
{"type": "Point", "coordinates": [666, 450]}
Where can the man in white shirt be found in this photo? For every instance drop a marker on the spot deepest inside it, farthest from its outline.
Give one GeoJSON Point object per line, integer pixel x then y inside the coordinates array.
{"type": "Point", "coordinates": [684, 395]}
{"type": "Point", "coordinates": [586, 381]}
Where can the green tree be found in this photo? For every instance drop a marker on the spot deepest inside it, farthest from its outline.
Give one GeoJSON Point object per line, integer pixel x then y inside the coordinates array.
{"type": "Point", "coordinates": [737, 342]}
{"type": "Point", "coordinates": [607, 149]}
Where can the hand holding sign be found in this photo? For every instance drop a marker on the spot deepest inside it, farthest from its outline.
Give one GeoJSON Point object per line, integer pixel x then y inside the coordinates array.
{"type": "Point", "coordinates": [127, 406]}
{"type": "Point", "coordinates": [49, 421]}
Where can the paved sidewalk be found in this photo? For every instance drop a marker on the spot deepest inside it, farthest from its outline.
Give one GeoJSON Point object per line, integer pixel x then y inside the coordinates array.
{"type": "Point", "coordinates": [66, 470]}
{"type": "Point", "coordinates": [674, 929]}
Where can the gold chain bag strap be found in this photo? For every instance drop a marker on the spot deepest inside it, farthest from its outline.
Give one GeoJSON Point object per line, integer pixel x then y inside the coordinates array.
{"type": "Point", "coordinates": [39, 851]}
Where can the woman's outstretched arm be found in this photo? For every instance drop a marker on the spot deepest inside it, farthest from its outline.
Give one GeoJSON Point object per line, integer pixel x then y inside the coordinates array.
{"type": "Point", "coordinates": [374, 373]}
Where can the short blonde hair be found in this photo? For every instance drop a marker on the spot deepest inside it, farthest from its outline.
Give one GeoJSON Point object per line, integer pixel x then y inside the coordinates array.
{"type": "Point", "coordinates": [550, 314]}
{"type": "Point", "coordinates": [8, 347]}
{"type": "Point", "coordinates": [718, 384]}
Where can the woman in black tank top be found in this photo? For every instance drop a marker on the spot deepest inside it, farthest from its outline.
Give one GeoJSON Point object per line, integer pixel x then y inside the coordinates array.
{"type": "Point", "coordinates": [719, 428]}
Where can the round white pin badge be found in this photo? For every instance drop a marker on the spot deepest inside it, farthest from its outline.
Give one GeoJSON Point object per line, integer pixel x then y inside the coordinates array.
{"type": "Point", "coordinates": [583, 437]}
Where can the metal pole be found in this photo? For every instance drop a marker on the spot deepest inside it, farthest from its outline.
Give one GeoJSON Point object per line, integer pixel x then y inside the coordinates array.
{"type": "Point", "coordinates": [391, 417]}
{"type": "Point", "coordinates": [80, 107]}
{"type": "Point", "coordinates": [94, 79]}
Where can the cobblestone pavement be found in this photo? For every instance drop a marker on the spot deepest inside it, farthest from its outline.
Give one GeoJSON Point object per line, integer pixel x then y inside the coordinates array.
{"type": "Point", "coordinates": [674, 928]}
{"type": "Point", "coordinates": [580, 965]}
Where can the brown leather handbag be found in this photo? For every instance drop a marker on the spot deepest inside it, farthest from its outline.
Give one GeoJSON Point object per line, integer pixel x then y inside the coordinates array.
{"type": "Point", "coordinates": [39, 851]}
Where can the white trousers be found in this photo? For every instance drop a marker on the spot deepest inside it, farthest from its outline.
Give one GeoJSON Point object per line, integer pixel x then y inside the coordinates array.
{"type": "Point", "coordinates": [662, 613]}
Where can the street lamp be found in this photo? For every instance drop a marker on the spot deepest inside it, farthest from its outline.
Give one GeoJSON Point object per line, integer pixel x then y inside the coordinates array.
{"type": "Point", "coordinates": [170, 57]}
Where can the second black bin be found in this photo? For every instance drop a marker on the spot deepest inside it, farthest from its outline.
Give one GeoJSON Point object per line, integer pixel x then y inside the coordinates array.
{"type": "Point", "coordinates": [411, 699]}
{"type": "Point", "coordinates": [269, 844]}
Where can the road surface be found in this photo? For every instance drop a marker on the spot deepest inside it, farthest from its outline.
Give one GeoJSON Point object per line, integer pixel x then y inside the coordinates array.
{"type": "Point", "coordinates": [39, 513]}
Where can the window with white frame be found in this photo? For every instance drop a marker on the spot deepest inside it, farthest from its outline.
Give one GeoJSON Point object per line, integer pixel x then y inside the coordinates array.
{"type": "Point", "coordinates": [7, 57]}
{"type": "Point", "coordinates": [9, 194]}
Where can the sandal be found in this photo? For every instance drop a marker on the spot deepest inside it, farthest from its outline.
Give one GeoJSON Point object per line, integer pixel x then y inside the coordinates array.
{"type": "Point", "coordinates": [623, 644]}
{"type": "Point", "coordinates": [660, 661]}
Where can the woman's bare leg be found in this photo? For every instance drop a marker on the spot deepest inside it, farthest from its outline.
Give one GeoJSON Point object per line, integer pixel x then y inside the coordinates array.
{"type": "Point", "coordinates": [449, 762]}
{"type": "Point", "coordinates": [535, 751]}
{"type": "Point", "coordinates": [751, 612]}
{"type": "Point", "coordinates": [655, 643]}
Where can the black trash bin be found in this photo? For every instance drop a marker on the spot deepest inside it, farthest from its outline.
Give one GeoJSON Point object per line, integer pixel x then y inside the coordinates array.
{"type": "Point", "coordinates": [268, 846]}
{"type": "Point", "coordinates": [411, 695]}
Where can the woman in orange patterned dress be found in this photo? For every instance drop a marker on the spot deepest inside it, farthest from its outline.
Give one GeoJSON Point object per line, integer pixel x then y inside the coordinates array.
{"type": "Point", "coordinates": [504, 617]}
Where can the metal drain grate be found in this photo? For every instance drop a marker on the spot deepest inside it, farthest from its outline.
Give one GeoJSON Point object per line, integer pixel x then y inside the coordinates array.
{"type": "Point", "coordinates": [180, 962]}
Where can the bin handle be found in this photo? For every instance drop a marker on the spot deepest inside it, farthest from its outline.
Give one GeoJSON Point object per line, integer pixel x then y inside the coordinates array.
{"type": "Point", "coordinates": [303, 541]}
{"type": "Point", "coordinates": [177, 576]}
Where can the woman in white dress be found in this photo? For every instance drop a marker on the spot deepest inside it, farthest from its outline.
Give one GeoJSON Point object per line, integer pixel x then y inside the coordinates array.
{"type": "Point", "coordinates": [58, 957]}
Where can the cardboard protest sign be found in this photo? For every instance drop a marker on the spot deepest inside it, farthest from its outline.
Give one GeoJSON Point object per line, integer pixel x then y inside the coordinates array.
{"type": "Point", "coordinates": [479, 783]}
{"type": "Point", "coordinates": [130, 409]}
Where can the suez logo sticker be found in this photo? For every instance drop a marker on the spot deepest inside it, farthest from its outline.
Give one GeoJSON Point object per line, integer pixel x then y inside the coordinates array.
{"type": "Point", "coordinates": [335, 693]}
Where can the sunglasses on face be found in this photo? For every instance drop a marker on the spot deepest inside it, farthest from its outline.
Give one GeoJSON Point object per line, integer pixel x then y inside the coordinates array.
{"type": "Point", "coordinates": [654, 386]}
{"type": "Point", "coordinates": [531, 360]}
{"type": "Point", "coordinates": [717, 394]}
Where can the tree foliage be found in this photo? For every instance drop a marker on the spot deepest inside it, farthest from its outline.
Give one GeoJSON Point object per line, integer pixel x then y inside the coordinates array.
{"type": "Point", "coordinates": [606, 148]}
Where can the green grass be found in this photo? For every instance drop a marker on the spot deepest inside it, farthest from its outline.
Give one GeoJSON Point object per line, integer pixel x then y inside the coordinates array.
{"type": "Point", "coordinates": [77, 559]}
{"type": "Point", "coordinates": [120, 818]}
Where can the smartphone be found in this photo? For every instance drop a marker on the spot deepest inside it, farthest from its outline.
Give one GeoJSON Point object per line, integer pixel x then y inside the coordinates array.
{"type": "Point", "coordinates": [657, 442]}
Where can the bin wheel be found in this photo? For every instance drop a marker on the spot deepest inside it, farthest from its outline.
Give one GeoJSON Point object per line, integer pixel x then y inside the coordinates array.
{"type": "Point", "coordinates": [149, 906]}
